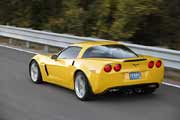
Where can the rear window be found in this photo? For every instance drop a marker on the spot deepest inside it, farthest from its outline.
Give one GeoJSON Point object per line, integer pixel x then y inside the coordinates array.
{"type": "Point", "coordinates": [109, 51]}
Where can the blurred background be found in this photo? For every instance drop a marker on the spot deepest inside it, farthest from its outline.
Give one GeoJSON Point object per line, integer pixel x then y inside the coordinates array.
{"type": "Point", "coordinates": [147, 22]}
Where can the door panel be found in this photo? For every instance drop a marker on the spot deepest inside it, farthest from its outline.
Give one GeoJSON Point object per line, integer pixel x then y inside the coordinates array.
{"type": "Point", "coordinates": [67, 70]}
{"type": "Point", "coordinates": [54, 68]}
{"type": "Point", "coordinates": [61, 72]}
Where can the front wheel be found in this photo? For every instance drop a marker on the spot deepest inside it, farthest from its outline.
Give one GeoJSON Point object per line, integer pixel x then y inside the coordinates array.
{"type": "Point", "coordinates": [34, 72]}
{"type": "Point", "coordinates": [82, 88]}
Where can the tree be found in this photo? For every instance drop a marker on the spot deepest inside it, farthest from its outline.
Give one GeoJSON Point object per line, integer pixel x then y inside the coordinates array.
{"type": "Point", "coordinates": [149, 22]}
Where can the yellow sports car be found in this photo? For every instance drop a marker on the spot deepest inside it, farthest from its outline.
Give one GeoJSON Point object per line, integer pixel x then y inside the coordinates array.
{"type": "Point", "coordinates": [91, 68]}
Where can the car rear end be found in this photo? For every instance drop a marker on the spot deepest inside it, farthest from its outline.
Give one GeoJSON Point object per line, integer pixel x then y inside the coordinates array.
{"type": "Point", "coordinates": [141, 71]}
{"type": "Point", "coordinates": [118, 66]}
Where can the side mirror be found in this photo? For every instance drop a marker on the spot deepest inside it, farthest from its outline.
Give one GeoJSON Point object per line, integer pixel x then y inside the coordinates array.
{"type": "Point", "coordinates": [54, 57]}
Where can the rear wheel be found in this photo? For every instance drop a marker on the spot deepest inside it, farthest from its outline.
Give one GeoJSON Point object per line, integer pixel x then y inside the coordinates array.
{"type": "Point", "coordinates": [82, 88]}
{"type": "Point", "coordinates": [34, 72]}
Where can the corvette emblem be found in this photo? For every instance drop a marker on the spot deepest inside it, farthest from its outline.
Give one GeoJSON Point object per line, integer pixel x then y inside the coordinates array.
{"type": "Point", "coordinates": [135, 65]}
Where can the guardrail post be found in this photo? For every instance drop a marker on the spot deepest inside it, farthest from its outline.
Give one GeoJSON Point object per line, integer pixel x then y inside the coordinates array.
{"type": "Point", "coordinates": [10, 40]}
{"type": "Point", "coordinates": [27, 44]}
{"type": "Point", "coordinates": [46, 48]}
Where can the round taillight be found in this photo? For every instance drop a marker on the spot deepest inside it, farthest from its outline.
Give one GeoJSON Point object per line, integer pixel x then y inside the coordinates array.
{"type": "Point", "coordinates": [107, 68]}
{"type": "Point", "coordinates": [117, 67]}
{"type": "Point", "coordinates": [151, 64]}
{"type": "Point", "coordinates": [158, 64]}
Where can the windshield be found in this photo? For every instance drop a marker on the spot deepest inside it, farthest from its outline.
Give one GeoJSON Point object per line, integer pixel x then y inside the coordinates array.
{"type": "Point", "coordinates": [109, 51]}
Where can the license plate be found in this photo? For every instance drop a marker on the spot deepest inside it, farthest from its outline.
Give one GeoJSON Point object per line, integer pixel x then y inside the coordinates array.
{"type": "Point", "coordinates": [135, 75]}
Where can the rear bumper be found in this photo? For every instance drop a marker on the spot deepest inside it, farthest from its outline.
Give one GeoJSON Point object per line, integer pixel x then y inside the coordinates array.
{"type": "Point", "coordinates": [101, 82]}
{"type": "Point", "coordinates": [100, 85]}
{"type": "Point", "coordinates": [103, 88]}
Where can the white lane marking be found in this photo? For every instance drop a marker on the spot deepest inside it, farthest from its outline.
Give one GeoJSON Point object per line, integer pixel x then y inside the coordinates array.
{"type": "Point", "coordinates": [172, 85]}
{"type": "Point", "coordinates": [19, 49]}
{"type": "Point", "coordinates": [27, 51]}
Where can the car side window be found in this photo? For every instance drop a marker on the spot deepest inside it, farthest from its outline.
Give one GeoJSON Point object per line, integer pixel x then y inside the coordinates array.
{"type": "Point", "coordinates": [70, 53]}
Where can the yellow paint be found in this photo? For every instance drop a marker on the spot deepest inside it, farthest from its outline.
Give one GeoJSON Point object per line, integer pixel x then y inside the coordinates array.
{"type": "Point", "coordinates": [61, 71]}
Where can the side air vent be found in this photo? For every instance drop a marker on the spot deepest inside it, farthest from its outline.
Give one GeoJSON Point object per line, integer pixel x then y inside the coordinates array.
{"type": "Point", "coordinates": [46, 70]}
{"type": "Point", "coordinates": [135, 60]}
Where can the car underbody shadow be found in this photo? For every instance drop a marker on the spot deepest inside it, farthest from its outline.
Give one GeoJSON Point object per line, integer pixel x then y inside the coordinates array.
{"type": "Point", "coordinates": [124, 96]}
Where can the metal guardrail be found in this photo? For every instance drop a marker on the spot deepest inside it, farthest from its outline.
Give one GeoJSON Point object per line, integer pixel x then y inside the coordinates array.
{"type": "Point", "coordinates": [171, 57]}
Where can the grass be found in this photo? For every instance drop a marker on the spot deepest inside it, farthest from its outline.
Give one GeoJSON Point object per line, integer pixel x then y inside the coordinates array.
{"type": "Point", "coordinates": [4, 40]}
{"type": "Point", "coordinates": [172, 74]}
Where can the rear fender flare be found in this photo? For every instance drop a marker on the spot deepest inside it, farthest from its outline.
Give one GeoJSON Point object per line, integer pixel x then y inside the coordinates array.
{"type": "Point", "coordinates": [87, 75]}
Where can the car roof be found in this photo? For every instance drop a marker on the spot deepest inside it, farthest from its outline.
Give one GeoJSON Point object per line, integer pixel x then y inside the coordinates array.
{"type": "Point", "coordinates": [95, 43]}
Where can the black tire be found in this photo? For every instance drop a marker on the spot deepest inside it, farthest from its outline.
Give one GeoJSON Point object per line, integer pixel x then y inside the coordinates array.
{"type": "Point", "coordinates": [88, 91]}
{"type": "Point", "coordinates": [39, 76]}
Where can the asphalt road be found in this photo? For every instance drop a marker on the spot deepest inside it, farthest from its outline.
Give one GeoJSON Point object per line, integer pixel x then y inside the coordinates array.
{"type": "Point", "coordinates": [20, 99]}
